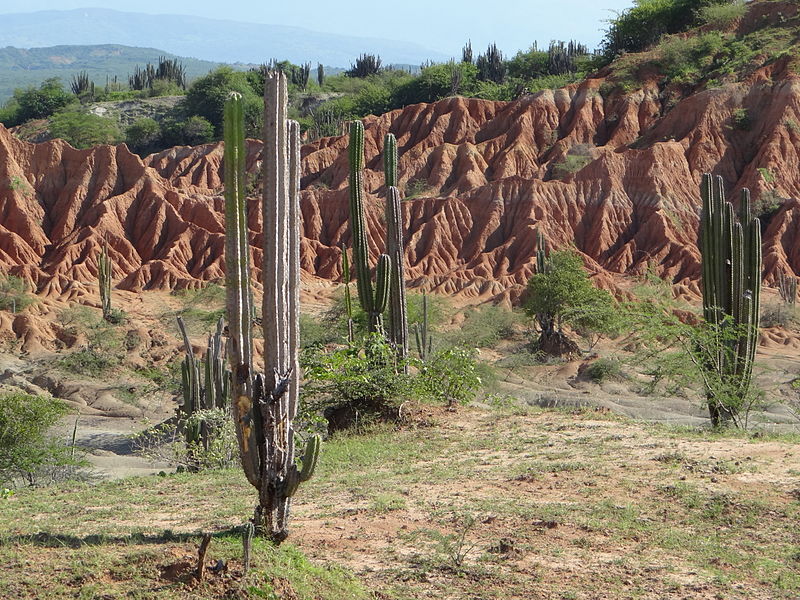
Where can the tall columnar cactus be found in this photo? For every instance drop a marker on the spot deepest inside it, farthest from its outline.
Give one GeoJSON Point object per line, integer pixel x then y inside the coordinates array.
{"type": "Point", "coordinates": [547, 323]}
{"type": "Point", "coordinates": [422, 334]}
{"type": "Point", "coordinates": [398, 310]}
{"type": "Point", "coordinates": [348, 300]}
{"type": "Point", "coordinates": [104, 270]}
{"type": "Point", "coordinates": [731, 276]}
{"type": "Point", "coordinates": [373, 301]}
{"type": "Point", "coordinates": [265, 405]}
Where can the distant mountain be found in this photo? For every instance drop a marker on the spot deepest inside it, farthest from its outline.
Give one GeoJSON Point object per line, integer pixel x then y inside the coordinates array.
{"type": "Point", "coordinates": [206, 39]}
{"type": "Point", "coordinates": [24, 67]}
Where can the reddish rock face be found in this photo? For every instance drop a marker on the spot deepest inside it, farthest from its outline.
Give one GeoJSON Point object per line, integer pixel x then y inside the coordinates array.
{"type": "Point", "coordinates": [484, 178]}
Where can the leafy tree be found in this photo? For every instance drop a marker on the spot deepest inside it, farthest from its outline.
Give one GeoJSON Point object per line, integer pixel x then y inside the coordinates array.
{"type": "Point", "coordinates": [450, 376]}
{"type": "Point", "coordinates": [25, 448]}
{"type": "Point", "coordinates": [36, 103]}
{"type": "Point", "coordinates": [642, 25]}
{"type": "Point", "coordinates": [143, 135]}
{"type": "Point", "coordinates": [206, 98]}
{"type": "Point", "coordinates": [560, 295]}
{"type": "Point", "coordinates": [83, 130]}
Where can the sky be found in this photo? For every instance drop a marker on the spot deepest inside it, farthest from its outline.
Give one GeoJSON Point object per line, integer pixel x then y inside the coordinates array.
{"type": "Point", "coordinates": [443, 25]}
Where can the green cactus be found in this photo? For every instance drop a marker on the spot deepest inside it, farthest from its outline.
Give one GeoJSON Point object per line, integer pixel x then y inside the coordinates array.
{"type": "Point", "coordinates": [213, 393]}
{"type": "Point", "coordinates": [265, 404]}
{"type": "Point", "coordinates": [422, 334]}
{"type": "Point", "coordinates": [398, 310]}
{"type": "Point", "coordinates": [542, 251]}
{"type": "Point", "coordinates": [372, 301]}
{"type": "Point", "coordinates": [731, 277]}
{"type": "Point", "coordinates": [348, 301]}
{"type": "Point", "coordinates": [104, 271]}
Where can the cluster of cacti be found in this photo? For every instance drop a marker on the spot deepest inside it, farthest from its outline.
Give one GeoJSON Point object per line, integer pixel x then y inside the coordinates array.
{"type": "Point", "coordinates": [787, 286]}
{"type": "Point", "coordinates": [365, 65]}
{"type": "Point", "coordinates": [212, 392]}
{"type": "Point", "coordinates": [390, 272]}
{"type": "Point", "coordinates": [422, 334]}
{"type": "Point", "coordinates": [561, 56]}
{"type": "Point", "coordinates": [168, 69]}
{"type": "Point", "coordinates": [104, 270]}
{"type": "Point", "coordinates": [398, 311]}
{"type": "Point", "coordinates": [731, 277]}
{"type": "Point", "coordinates": [372, 300]}
{"type": "Point", "coordinates": [82, 85]}
{"type": "Point", "coordinates": [491, 66]}
{"type": "Point", "coordinates": [265, 404]}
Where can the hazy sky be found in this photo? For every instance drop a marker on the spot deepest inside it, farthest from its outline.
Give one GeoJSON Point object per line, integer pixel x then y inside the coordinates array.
{"type": "Point", "coordinates": [442, 25]}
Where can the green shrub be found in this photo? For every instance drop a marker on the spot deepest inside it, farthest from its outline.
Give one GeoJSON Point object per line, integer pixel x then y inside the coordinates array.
{"type": "Point", "coordinates": [206, 98]}
{"type": "Point", "coordinates": [741, 119]}
{"type": "Point", "coordinates": [642, 25]}
{"type": "Point", "coordinates": [14, 295]}
{"type": "Point", "coordinates": [604, 369]}
{"type": "Point", "coordinates": [450, 376]}
{"type": "Point", "coordinates": [485, 327]}
{"type": "Point", "coordinates": [722, 15]}
{"type": "Point", "coordinates": [365, 377]}
{"type": "Point", "coordinates": [317, 332]}
{"type": "Point", "coordinates": [83, 130]}
{"type": "Point", "coordinates": [166, 442]}
{"type": "Point", "coordinates": [143, 135]}
{"type": "Point", "coordinates": [37, 103]}
{"type": "Point", "coordinates": [27, 453]}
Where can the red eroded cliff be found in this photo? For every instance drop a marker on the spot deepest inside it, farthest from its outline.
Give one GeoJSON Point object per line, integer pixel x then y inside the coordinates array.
{"type": "Point", "coordinates": [485, 176]}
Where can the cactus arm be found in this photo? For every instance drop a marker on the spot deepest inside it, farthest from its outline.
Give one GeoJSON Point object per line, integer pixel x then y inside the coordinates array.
{"type": "Point", "coordinates": [390, 160]}
{"type": "Point", "coordinates": [310, 457]}
{"type": "Point", "coordinates": [358, 223]}
{"type": "Point", "coordinates": [237, 280]}
{"type": "Point", "coordinates": [398, 310]}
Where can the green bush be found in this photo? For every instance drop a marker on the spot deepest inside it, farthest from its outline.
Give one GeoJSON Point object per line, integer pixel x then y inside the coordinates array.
{"type": "Point", "coordinates": [642, 25]}
{"type": "Point", "coordinates": [365, 377]}
{"type": "Point", "coordinates": [206, 98]}
{"type": "Point", "coordinates": [143, 136]}
{"type": "Point", "coordinates": [36, 103]}
{"type": "Point", "coordinates": [83, 130]}
{"type": "Point", "coordinates": [485, 327]}
{"type": "Point", "coordinates": [14, 295]}
{"type": "Point", "coordinates": [565, 293]}
{"type": "Point", "coordinates": [27, 453]}
{"type": "Point", "coordinates": [604, 369]}
{"type": "Point", "coordinates": [166, 442]}
{"type": "Point", "coordinates": [722, 15]}
{"type": "Point", "coordinates": [450, 376]}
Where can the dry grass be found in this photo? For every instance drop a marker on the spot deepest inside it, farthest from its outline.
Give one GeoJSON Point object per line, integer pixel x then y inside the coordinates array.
{"type": "Point", "coordinates": [477, 504]}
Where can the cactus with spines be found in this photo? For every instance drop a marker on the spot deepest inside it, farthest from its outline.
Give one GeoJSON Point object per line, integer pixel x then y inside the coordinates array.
{"type": "Point", "coordinates": [104, 270]}
{"type": "Point", "coordinates": [211, 393]}
{"type": "Point", "coordinates": [398, 309]}
{"type": "Point", "coordinates": [731, 277]}
{"type": "Point", "coordinates": [787, 287]}
{"type": "Point", "coordinates": [422, 333]}
{"type": "Point", "coordinates": [265, 404]}
{"type": "Point", "coordinates": [372, 300]}
{"type": "Point", "coordinates": [348, 300]}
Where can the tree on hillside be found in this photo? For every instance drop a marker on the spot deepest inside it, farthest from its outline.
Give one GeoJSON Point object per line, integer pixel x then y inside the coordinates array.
{"type": "Point", "coordinates": [562, 294]}
{"type": "Point", "coordinates": [642, 25]}
{"type": "Point", "coordinates": [36, 103]}
{"type": "Point", "coordinates": [206, 98]}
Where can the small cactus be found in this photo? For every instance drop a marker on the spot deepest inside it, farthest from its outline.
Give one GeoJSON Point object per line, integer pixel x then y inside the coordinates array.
{"type": "Point", "coordinates": [104, 270]}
